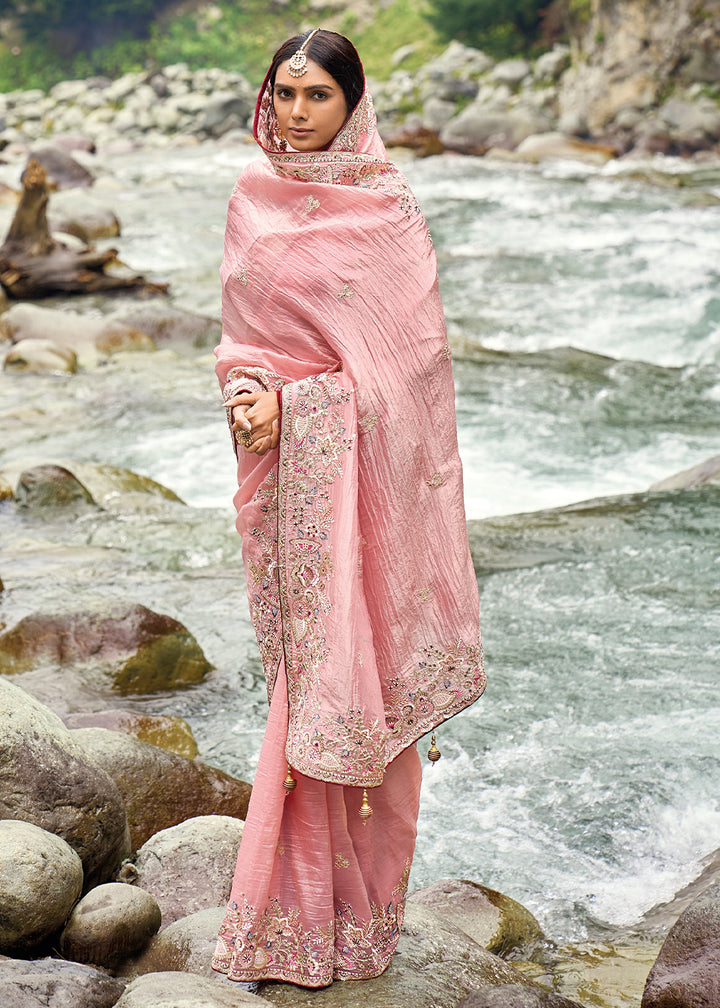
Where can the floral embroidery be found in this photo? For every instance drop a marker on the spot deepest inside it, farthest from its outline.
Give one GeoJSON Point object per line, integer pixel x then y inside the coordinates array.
{"type": "Point", "coordinates": [346, 291]}
{"type": "Point", "coordinates": [367, 424]}
{"type": "Point", "coordinates": [435, 480]}
{"type": "Point", "coordinates": [341, 861]}
{"type": "Point", "coordinates": [262, 579]}
{"type": "Point", "coordinates": [424, 594]}
{"type": "Point", "coordinates": [446, 352]}
{"type": "Point", "coordinates": [311, 204]}
{"type": "Point", "coordinates": [445, 681]}
{"type": "Point", "coordinates": [273, 944]}
{"type": "Point", "coordinates": [240, 273]}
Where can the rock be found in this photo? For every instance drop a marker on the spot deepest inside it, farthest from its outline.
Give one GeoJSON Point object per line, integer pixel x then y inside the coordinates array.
{"type": "Point", "coordinates": [437, 113]}
{"type": "Point", "coordinates": [183, 990]}
{"type": "Point", "coordinates": [478, 128]}
{"type": "Point", "coordinates": [225, 111]}
{"type": "Point", "coordinates": [551, 65]}
{"type": "Point", "coordinates": [104, 485]}
{"type": "Point", "coordinates": [551, 146]}
{"type": "Point", "coordinates": [435, 966]}
{"type": "Point", "coordinates": [706, 472]}
{"type": "Point", "coordinates": [424, 142]}
{"type": "Point", "coordinates": [48, 779]}
{"type": "Point", "coordinates": [171, 326]}
{"type": "Point", "coordinates": [512, 996]}
{"type": "Point", "coordinates": [140, 651]}
{"type": "Point", "coordinates": [86, 219]}
{"type": "Point", "coordinates": [48, 486]}
{"type": "Point", "coordinates": [90, 338]}
{"type": "Point", "coordinates": [52, 983]}
{"type": "Point", "coordinates": [687, 971]}
{"type": "Point", "coordinates": [491, 919]}
{"type": "Point", "coordinates": [187, 945]}
{"type": "Point", "coordinates": [659, 919]}
{"type": "Point", "coordinates": [159, 788]}
{"type": "Point", "coordinates": [171, 733]}
{"type": "Point", "coordinates": [38, 356]}
{"type": "Point", "coordinates": [511, 72]}
{"type": "Point", "coordinates": [41, 877]}
{"type": "Point", "coordinates": [190, 866]}
{"type": "Point", "coordinates": [111, 923]}
{"type": "Point", "coordinates": [63, 171]}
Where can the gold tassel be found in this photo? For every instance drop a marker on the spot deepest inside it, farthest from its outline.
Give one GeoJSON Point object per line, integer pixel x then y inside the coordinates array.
{"type": "Point", "coordinates": [289, 783]}
{"type": "Point", "coordinates": [365, 808]}
{"type": "Point", "coordinates": [434, 753]}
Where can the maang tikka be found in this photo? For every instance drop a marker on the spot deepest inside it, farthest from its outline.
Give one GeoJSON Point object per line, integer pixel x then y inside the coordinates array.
{"type": "Point", "coordinates": [298, 61]}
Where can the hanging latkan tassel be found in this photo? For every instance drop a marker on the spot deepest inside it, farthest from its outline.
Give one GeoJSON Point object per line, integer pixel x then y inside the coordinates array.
{"type": "Point", "coordinates": [289, 783]}
{"type": "Point", "coordinates": [365, 808]}
{"type": "Point", "coordinates": [434, 753]}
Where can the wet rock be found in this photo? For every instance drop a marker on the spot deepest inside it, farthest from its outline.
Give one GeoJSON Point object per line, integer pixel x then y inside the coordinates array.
{"type": "Point", "coordinates": [424, 142]}
{"type": "Point", "coordinates": [687, 971]}
{"type": "Point", "coordinates": [551, 146]}
{"type": "Point", "coordinates": [48, 779]}
{"type": "Point", "coordinates": [706, 472]}
{"type": "Point", "coordinates": [183, 990]}
{"type": "Point", "coordinates": [169, 326]}
{"type": "Point", "coordinates": [49, 486]}
{"type": "Point", "coordinates": [479, 127]}
{"type": "Point", "coordinates": [436, 966]}
{"type": "Point", "coordinates": [111, 923]}
{"type": "Point", "coordinates": [659, 919]}
{"type": "Point", "coordinates": [38, 356]}
{"type": "Point", "coordinates": [138, 650]}
{"type": "Point", "coordinates": [63, 171]}
{"type": "Point", "coordinates": [52, 983]}
{"type": "Point", "coordinates": [512, 996]}
{"type": "Point", "coordinates": [104, 485]}
{"type": "Point", "coordinates": [161, 789]}
{"type": "Point", "coordinates": [41, 877]}
{"type": "Point", "coordinates": [171, 733]}
{"type": "Point", "coordinates": [190, 866]}
{"type": "Point", "coordinates": [491, 919]}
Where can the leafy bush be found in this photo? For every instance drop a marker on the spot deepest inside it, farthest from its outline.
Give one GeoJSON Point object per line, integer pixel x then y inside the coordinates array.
{"type": "Point", "coordinates": [502, 27]}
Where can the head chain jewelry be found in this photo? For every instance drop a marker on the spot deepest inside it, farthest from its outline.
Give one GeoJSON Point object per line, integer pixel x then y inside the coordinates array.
{"type": "Point", "coordinates": [298, 62]}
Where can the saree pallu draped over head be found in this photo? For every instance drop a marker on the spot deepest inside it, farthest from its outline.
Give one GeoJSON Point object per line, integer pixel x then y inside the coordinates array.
{"type": "Point", "coordinates": [359, 574]}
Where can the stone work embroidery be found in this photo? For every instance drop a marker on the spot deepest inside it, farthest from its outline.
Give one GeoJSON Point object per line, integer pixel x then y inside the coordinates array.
{"type": "Point", "coordinates": [263, 586]}
{"type": "Point", "coordinates": [367, 424]}
{"type": "Point", "coordinates": [346, 291]}
{"type": "Point", "coordinates": [273, 944]}
{"type": "Point", "coordinates": [240, 273]}
{"type": "Point", "coordinates": [311, 204]}
{"type": "Point", "coordinates": [341, 861]}
{"type": "Point", "coordinates": [435, 480]}
{"type": "Point", "coordinates": [424, 594]}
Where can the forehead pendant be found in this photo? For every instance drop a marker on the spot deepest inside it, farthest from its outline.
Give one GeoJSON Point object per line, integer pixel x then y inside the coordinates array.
{"type": "Point", "coordinates": [298, 62]}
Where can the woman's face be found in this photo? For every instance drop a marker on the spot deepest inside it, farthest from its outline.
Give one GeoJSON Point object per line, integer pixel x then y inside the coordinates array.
{"type": "Point", "coordinates": [310, 109]}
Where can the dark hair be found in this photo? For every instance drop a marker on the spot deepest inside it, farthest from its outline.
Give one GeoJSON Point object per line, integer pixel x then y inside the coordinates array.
{"type": "Point", "coordinates": [335, 54]}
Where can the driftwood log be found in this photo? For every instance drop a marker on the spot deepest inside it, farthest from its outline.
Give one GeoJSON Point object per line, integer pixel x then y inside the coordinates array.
{"type": "Point", "coordinates": [34, 265]}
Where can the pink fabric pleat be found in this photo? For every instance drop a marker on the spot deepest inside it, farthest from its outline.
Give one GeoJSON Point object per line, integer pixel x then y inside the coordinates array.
{"type": "Point", "coordinates": [318, 894]}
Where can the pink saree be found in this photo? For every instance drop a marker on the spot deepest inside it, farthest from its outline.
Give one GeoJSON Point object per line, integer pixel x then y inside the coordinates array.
{"type": "Point", "coordinates": [360, 582]}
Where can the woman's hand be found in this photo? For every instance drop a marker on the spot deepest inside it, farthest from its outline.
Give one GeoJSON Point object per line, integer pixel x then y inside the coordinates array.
{"type": "Point", "coordinates": [256, 419]}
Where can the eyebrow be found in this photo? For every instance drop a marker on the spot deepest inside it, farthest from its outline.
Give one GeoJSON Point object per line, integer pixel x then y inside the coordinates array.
{"type": "Point", "coordinates": [307, 87]}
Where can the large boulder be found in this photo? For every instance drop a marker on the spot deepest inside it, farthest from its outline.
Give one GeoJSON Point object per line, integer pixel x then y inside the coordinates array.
{"type": "Point", "coordinates": [50, 486]}
{"type": "Point", "coordinates": [41, 877]}
{"type": "Point", "coordinates": [87, 219]}
{"type": "Point", "coordinates": [493, 920]}
{"type": "Point", "coordinates": [687, 971]}
{"type": "Point", "coordinates": [138, 650]}
{"type": "Point", "coordinates": [161, 789]}
{"type": "Point", "coordinates": [111, 923]}
{"type": "Point", "coordinates": [47, 778]}
{"type": "Point", "coordinates": [190, 866]}
{"type": "Point", "coordinates": [162, 730]}
{"type": "Point", "coordinates": [706, 472]}
{"type": "Point", "coordinates": [186, 946]}
{"type": "Point", "coordinates": [67, 481]}
{"type": "Point", "coordinates": [52, 983]}
{"type": "Point", "coordinates": [480, 127]}
{"type": "Point", "coordinates": [182, 990]}
{"type": "Point", "coordinates": [63, 171]}
{"type": "Point", "coordinates": [512, 996]}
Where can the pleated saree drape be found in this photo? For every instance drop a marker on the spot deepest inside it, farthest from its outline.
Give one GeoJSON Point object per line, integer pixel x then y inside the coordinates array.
{"type": "Point", "coordinates": [360, 582]}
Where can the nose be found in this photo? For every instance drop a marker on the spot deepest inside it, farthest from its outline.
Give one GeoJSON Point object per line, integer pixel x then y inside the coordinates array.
{"type": "Point", "coordinates": [299, 108]}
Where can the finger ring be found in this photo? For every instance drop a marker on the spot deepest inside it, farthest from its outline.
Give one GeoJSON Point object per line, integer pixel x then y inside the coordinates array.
{"type": "Point", "coordinates": [246, 438]}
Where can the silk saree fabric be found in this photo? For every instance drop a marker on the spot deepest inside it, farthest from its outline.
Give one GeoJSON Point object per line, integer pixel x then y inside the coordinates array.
{"type": "Point", "coordinates": [360, 582]}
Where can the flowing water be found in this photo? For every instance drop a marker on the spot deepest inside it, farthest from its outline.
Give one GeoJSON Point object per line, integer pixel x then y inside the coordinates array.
{"type": "Point", "coordinates": [584, 309]}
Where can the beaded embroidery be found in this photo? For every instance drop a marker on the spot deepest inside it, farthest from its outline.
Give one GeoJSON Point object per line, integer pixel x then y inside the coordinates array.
{"type": "Point", "coordinates": [274, 944]}
{"type": "Point", "coordinates": [311, 204]}
{"type": "Point", "coordinates": [346, 291]}
{"type": "Point", "coordinates": [367, 424]}
{"type": "Point", "coordinates": [435, 480]}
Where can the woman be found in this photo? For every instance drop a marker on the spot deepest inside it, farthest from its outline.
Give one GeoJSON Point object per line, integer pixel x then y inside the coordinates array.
{"type": "Point", "coordinates": [336, 376]}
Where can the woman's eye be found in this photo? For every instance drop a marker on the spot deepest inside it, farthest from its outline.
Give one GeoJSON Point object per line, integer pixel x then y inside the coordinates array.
{"type": "Point", "coordinates": [320, 94]}
{"type": "Point", "coordinates": [283, 93]}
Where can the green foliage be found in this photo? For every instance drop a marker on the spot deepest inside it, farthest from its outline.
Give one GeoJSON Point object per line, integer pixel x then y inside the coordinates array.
{"type": "Point", "coordinates": [84, 21]}
{"type": "Point", "coordinates": [501, 27]}
{"type": "Point", "coordinates": [402, 23]}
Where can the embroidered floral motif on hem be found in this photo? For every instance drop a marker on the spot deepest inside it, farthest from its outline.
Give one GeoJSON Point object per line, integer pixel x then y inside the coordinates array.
{"type": "Point", "coordinates": [273, 944]}
{"type": "Point", "coordinates": [435, 480]}
{"type": "Point", "coordinates": [311, 204]}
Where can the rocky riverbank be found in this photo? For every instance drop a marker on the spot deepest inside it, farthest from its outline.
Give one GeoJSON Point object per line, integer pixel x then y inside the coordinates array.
{"type": "Point", "coordinates": [461, 101]}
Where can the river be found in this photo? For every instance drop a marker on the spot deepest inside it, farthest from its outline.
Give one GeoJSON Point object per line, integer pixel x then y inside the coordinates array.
{"type": "Point", "coordinates": [583, 307]}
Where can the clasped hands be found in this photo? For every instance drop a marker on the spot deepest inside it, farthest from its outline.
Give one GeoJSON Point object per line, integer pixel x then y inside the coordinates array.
{"type": "Point", "coordinates": [256, 421]}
